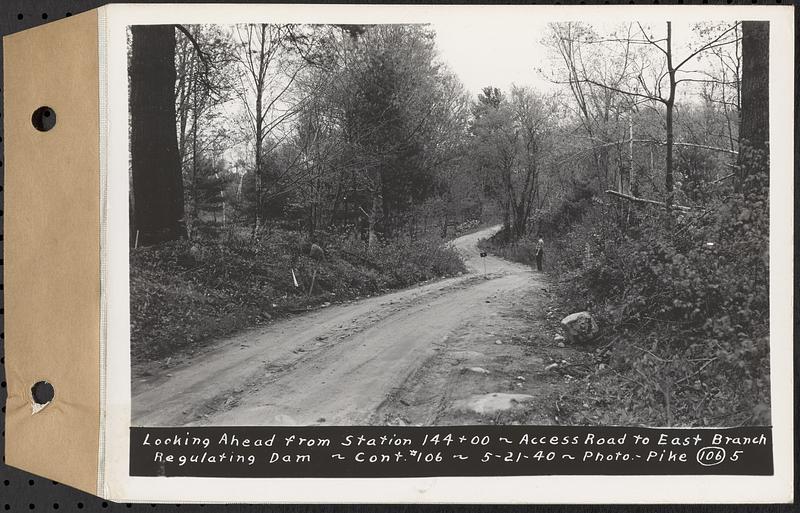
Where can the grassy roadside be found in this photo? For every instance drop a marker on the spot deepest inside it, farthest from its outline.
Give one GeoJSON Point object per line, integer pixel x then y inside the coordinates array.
{"type": "Point", "coordinates": [185, 294]}
{"type": "Point", "coordinates": [683, 310]}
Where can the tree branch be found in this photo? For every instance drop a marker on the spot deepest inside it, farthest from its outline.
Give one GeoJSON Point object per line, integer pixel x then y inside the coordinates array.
{"type": "Point", "coordinates": [629, 93]}
{"type": "Point", "coordinates": [647, 201]}
{"type": "Point", "coordinates": [718, 180]}
{"type": "Point", "coordinates": [651, 41]}
{"type": "Point", "coordinates": [709, 45]}
{"type": "Point", "coordinates": [197, 48]}
{"type": "Point", "coordinates": [704, 147]}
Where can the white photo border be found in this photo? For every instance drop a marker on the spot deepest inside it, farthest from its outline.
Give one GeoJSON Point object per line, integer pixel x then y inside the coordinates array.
{"type": "Point", "coordinates": [114, 480]}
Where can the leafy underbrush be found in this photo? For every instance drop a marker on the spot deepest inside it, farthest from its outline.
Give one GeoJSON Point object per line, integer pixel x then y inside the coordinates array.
{"type": "Point", "coordinates": [185, 293]}
{"type": "Point", "coordinates": [683, 299]}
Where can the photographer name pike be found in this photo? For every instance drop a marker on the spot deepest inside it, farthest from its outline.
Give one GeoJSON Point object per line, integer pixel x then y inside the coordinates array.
{"type": "Point", "coordinates": [663, 454]}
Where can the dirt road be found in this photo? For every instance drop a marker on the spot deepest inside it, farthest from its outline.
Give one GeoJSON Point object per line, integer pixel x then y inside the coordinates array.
{"type": "Point", "coordinates": [458, 350]}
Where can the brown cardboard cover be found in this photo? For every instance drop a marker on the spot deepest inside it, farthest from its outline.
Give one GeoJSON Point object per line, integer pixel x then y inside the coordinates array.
{"type": "Point", "coordinates": [52, 250]}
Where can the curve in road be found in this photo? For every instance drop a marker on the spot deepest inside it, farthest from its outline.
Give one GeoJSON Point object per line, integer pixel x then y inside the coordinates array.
{"type": "Point", "coordinates": [334, 366]}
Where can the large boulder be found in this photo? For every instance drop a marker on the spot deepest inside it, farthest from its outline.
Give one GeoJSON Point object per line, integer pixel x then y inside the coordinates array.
{"type": "Point", "coordinates": [580, 327]}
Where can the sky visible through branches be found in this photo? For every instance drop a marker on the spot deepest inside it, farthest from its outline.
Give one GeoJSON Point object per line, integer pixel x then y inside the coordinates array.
{"type": "Point", "coordinates": [506, 52]}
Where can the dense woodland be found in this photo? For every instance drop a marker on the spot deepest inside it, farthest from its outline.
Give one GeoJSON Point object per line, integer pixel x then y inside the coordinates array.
{"type": "Point", "coordinates": [643, 166]}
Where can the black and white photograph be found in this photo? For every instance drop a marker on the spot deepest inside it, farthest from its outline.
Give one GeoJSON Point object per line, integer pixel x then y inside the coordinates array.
{"type": "Point", "coordinates": [542, 223]}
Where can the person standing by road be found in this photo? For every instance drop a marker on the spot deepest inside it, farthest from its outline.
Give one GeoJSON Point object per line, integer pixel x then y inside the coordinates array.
{"type": "Point", "coordinates": [539, 254]}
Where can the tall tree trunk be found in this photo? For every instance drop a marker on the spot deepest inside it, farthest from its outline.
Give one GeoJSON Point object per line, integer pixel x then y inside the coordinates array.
{"type": "Point", "coordinates": [507, 223]}
{"type": "Point", "coordinates": [521, 221]}
{"type": "Point", "coordinates": [754, 128]}
{"type": "Point", "coordinates": [670, 104]}
{"type": "Point", "coordinates": [195, 199]}
{"type": "Point", "coordinates": [626, 177]}
{"type": "Point", "coordinates": [258, 159]}
{"type": "Point", "coordinates": [373, 217]}
{"type": "Point", "coordinates": [259, 82]}
{"type": "Point", "coordinates": [155, 162]}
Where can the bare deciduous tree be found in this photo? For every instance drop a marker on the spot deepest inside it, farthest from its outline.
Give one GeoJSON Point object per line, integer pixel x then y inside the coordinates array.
{"type": "Point", "coordinates": [639, 80]}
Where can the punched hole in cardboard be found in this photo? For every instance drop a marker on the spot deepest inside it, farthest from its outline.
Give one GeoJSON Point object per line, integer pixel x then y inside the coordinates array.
{"type": "Point", "coordinates": [44, 119]}
{"type": "Point", "coordinates": [42, 394]}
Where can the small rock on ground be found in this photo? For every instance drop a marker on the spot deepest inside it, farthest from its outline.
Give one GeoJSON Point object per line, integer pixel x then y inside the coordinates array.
{"type": "Point", "coordinates": [492, 403]}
